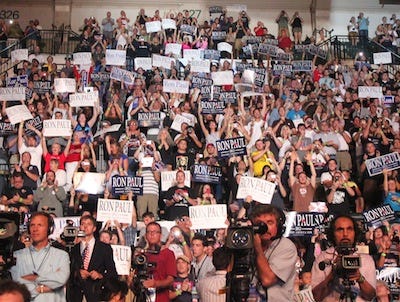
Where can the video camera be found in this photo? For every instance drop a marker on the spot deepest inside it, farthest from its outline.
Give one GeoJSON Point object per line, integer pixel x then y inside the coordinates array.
{"type": "Point", "coordinates": [142, 267]}
{"type": "Point", "coordinates": [70, 233]}
{"type": "Point", "coordinates": [9, 232]}
{"type": "Point", "coordinates": [349, 263]}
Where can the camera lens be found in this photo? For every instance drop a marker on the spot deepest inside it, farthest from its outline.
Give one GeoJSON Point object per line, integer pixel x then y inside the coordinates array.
{"type": "Point", "coordinates": [240, 238]}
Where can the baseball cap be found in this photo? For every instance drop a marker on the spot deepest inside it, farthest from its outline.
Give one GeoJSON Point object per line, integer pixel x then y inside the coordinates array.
{"type": "Point", "coordinates": [184, 258]}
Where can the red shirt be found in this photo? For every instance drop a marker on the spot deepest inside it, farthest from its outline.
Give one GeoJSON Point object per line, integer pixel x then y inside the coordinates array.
{"type": "Point", "coordinates": [48, 157]}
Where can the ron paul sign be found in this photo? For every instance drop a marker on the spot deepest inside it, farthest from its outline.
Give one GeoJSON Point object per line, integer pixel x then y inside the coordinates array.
{"type": "Point", "coordinates": [231, 147]}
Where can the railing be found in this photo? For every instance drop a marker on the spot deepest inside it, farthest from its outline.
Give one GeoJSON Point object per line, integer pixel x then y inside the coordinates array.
{"type": "Point", "coordinates": [341, 47]}
{"type": "Point", "coordinates": [55, 41]}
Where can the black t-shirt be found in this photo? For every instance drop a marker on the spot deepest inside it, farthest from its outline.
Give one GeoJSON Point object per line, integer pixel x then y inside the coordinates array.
{"type": "Point", "coordinates": [181, 206]}
{"type": "Point", "coordinates": [177, 285]}
{"type": "Point", "coordinates": [183, 160]}
{"type": "Point", "coordinates": [340, 203]}
{"type": "Point", "coordinates": [28, 182]}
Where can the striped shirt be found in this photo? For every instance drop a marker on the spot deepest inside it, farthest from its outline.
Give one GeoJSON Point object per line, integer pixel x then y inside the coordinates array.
{"type": "Point", "coordinates": [213, 288]}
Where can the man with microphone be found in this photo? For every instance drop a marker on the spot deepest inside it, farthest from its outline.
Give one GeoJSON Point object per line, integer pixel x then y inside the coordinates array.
{"type": "Point", "coordinates": [331, 272]}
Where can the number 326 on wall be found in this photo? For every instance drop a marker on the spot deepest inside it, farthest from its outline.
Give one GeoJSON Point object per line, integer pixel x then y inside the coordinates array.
{"type": "Point", "coordinates": [9, 14]}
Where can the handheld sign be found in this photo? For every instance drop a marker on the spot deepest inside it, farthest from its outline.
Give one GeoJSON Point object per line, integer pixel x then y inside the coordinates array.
{"type": "Point", "coordinates": [222, 77]}
{"type": "Point", "coordinates": [259, 189]}
{"type": "Point", "coordinates": [389, 161]}
{"type": "Point", "coordinates": [122, 256]}
{"type": "Point", "coordinates": [223, 46]}
{"type": "Point", "coordinates": [212, 107]}
{"type": "Point", "coordinates": [62, 85]}
{"type": "Point", "coordinates": [115, 57]}
{"type": "Point", "coordinates": [208, 216]}
{"type": "Point", "coordinates": [207, 174]}
{"type": "Point", "coordinates": [382, 58]}
{"type": "Point", "coordinates": [376, 216]}
{"type": "Point", "coordinates": [114, 209]}
{"type": "Point", "coordinates": [125, 184]}
{"type": "Point", "coordinates": [168, 23]}
{"type": "Point", "coordinates": [88, 182]}
{"type": "Point", "coordinates": [303, 224]}
{"type": "Point", "coordinates": [144, 63]}
{"type": "Point", "coordinates": [12, 93]}
{"type": "Point", "coordinates": [120, 74]}
{"type": "Point", "coordinates": [17, 81]}
{"type": "Point", "coordinates": [162, 61]}
{"type": "Point", "coordinates": [153, 26]}
{"type": "Point", "coordinates": [82, 58]}
{"type": "Point", "coordinates": [198, 82]}
{"type": "Point", "coordinates": [57, 128]}
{"type": "Point", "coordinates": [19, 55]}
{"type": "Point", "coordinates": [18, 114]}
{"type": "Point", "coordinates": [370, 92]}
{"type": "Point", "coordinates": [83, 99]}
{"type": "Point", "coordinates": [231, 147]}
{"type": "Point", "coordinates": [149, 119]}
{"type": "Point", "coordinates": [176, 86]}
{"type": "Point", "coordinates": [174, 49]}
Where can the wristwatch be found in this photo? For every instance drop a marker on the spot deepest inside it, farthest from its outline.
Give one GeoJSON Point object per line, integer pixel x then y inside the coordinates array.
{"type": "Point", "coordinates": [361, 279]}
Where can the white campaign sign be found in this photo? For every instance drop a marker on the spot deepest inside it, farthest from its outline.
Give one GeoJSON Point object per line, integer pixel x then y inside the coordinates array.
{"type": "Point", "coordinates": [173, 48]}
{"type": "Point", "coordinates": [192, 54]}
{"type": "Point", "coordinates": [12, 94]}
{"type": "Point", "coordinates": [222, 78]}
{"type": "Point", "coordinates": [153, 27]}
{"type": "Point", "coordinates": [84, 99]}
{"type": "Point", "coordinates": [62, 85]}
{"type": "Point", "coordinates": [168, 179]}
{"type": "Point", "coordinates": [370, 92]}
{"type": "Point", "coordinates": [176, 86]}
{"type": "Point", "coordinates": [382, 58]}
{"type": "Point", "coordinates": [122, 258]}
{"type": "Point", "coordinates": [88, 182]}
{"type": "Point", "coordinates": [112, 128]}
{"type": "Point", "coordinates": [144, 63]}
{"type": "Point", "coordinates": [57, 128]}
{"type": "Point", "coordinates": [18, 114]}
{"type": "Point", "coordinates": [168, 23]}
{"type": "Point", "coordinates": [115, 57]}
{"type": "Point", "coordinates": [162, 61]}
{"type": "Point", "coordinates": [177, 122]}
{"type": "Point", "coordinates": [114, 209]}
{"type": "Point", "coordinates": [19, 55]}
{"type": "Point", "coordinates": [208, 216]}
{"type": "Point", "coordinates": [223, 46]}
{"type": "Point", "coordinates": [82, 58]}
{"type": "Point", "coordinates": [259, 189]}
{"type": "Point", "coordinates": [120, 74]}
{"type": "Point", "coordinates": [200, 66]}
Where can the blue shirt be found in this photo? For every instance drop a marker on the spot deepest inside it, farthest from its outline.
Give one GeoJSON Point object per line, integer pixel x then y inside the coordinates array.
{"type": "Point", "coordinates": [52, 267]}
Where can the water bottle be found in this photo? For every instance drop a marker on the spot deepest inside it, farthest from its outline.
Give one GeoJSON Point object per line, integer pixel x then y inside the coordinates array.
{"type": "Point", "coordinates": [195, 294]}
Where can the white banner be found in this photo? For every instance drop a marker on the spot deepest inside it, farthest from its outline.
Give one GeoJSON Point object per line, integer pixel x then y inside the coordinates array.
{"type": "Point", "coordinates": [177, 122]}
{"type": "Point", "coordinates": [122, 258]}
{"type": "Point", "coordinates": [82, 58]}
{"type": "Point", "coordinates": [115, 57]}
{"type": "Point", "coordinates": [18, 114]}
{"type": "Point", "coordinates": [162, 61]}
{"type": "Point", "coordinates": [192, 54]}
{"type": "Point", "coordinates": [200, 66]}
{"type": "Point", "coordinates": [168, 179]}
{"type": "Point", "coordinates": [61, 222]}
{"type": "Point", "coordinates": [62, 85]}
{"type": "Point", "coordinates": [144, 63]}
{"type": "Point", "coordinates": [57, 128]}
{"type": "Point", "coordinates": [259, 189]}
{"type": "Point", "coordinates": [19, 55]}
{"type": "Point", "coordinates": [176, 86]}
{"type": "Point", "coordinates": [168, 23]}
{"type": "Point", "coordinates": [153, 27]}
{"type": "Point", "coordinates": [84, 99]}
{"type": "Point", "coordinates": [88, 182]}
{"type": "Point", "coordinates": [208, 216]}
{"type": "Point", "coordinates": [236, 7]}
{"type": "Point", "coordinates": [382, 58]}
{"type": "Point", "coordinates": [223, 46]}
{"type": "Point", "coordinates": [12, 94]}
{"type": "Point", "coordinates": [222, 78]}
{"type": "Point", "coordinates": [120, 74]}
{"type": "Point", "coordinates": [173, 48]}
{"type": "Point", "coordinates": [114, 209]}
{"type": "Point", "coordinates": [112, 128]}
{"type": "Point", "coordinates": [370, 92]}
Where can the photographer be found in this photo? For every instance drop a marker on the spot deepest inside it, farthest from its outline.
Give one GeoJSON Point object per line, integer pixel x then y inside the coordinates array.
{"type": "Point", "coordinates": [328, 273]}
{"type": "Point", "coordinates": [276, 256]}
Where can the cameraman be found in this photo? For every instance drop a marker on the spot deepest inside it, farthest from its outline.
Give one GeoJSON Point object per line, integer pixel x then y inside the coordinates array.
{"type": "Point", "coordinates": [327, 279]}
{"type": "Point", "coordinates": [276, 256]}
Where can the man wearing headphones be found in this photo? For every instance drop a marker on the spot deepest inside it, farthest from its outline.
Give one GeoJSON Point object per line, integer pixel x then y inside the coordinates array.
{"type": "Point", "coordinates": [276, 256]}
{"type": "Point", "coordinates": [42, 268]}
{"type": "Point", "coordinates": [328, 272]}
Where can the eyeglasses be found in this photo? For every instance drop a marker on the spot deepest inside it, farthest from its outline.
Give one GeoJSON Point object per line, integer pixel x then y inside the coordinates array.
{"type": "Point", "coordinates": [153, 232]}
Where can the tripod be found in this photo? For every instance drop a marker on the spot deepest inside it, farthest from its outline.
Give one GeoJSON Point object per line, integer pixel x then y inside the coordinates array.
{"type": "Point", "coordinates": [141, 293]}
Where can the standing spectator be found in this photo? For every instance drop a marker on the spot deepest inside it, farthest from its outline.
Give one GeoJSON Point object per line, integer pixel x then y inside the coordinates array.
{"type": "Point", "coordinates": [18, 194]}
{"type": "Point", "coordinates": [30, 172]}
{"type": "Point", "coordinates": [183, 282]}
{"type": "Point", "coordinates": [212, 287]}
{"type": "Point", "coordinates": [339, 195]}
{"type": "Point", "coordinates": [297, 27]}
{"type": "Point", "coordinates": [108, 27]}
{"type": "Point", "coordinates": [91, 262]}
{"type": "Point", "coordinates": [363, 24]}
{"type": "Point", "coordinates": [352, 29]}
{"type": "Point", "coordinates": [202, 264]}
{"type": "Point", "coordinates": [283, 21]}
{"type": "Point", "coordinates": [42, 268]}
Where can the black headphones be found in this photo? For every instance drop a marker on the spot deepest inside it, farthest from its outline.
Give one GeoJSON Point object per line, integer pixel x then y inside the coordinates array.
{"type": "Point", "coordinates": [281, 220]}
{"type": "Point", "coordinates": [50, 222]}
{"type": "Point", "coordinates": [330, 233]}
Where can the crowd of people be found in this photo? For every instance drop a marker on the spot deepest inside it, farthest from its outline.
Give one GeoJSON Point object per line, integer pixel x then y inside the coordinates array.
{"type": "Point", "coordinates": [307, 132]}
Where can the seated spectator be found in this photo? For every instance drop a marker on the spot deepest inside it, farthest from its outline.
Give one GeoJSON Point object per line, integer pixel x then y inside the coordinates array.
{"type": "Point", "coordinates": [18, 194]}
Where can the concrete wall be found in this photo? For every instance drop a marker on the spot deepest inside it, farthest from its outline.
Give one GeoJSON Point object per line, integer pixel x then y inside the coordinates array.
{"type": "Point", "coordinates": [330, 13]}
